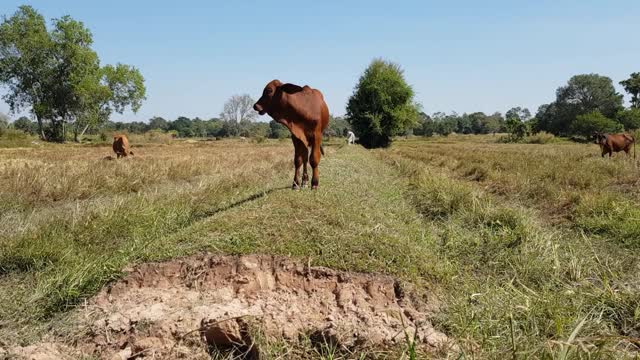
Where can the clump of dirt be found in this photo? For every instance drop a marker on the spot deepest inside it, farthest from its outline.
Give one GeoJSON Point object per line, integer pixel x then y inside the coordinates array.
{"type": "Point", "coordinates": [185, 308]}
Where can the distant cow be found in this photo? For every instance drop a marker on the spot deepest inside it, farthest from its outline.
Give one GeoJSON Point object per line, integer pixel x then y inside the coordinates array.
{"type": "Point", "coordinates": [303, 111]}
{"type": "Point", "coordinates": [351, 137]}
{"type": "Point", "coordinates": [121, 146]}
{"type": "Point", "coordinates": [610, 143]}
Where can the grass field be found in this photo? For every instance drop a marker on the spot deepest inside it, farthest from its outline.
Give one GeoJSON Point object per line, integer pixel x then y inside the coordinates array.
{"type": "Point", "coordinates": [531, 250]}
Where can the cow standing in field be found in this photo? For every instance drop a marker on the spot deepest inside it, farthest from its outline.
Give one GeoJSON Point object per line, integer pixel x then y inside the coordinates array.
{"type": "Point", "coordinates": [610, 143]}
{"type": "Point", "coordinates": [351, 137]}
{"type": "Point", "coordinates": [121, 146]}
{"type": "Point", "coordinates": [303, 111]}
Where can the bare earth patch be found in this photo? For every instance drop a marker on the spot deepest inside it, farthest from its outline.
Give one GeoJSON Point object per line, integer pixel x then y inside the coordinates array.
{"type": "Point", "coordinates": [185, 308]}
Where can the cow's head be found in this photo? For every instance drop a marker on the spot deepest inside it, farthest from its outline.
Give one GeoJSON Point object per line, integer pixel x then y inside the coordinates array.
{"type": "Point", "coordinates": [599, 137]}
{"type": "Point", "coordinates": [264, 104]}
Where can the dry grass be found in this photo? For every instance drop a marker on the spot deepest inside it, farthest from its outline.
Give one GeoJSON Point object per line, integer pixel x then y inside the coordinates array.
{"type": "Point", "coordinates": [535, 250]}
{"type": "Point", "coordinates": [530, 248]}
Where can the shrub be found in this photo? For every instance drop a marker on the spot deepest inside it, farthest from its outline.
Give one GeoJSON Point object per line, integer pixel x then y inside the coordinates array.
{"type": "Point", "coordinates": [585, 125]}
{"type": "Point", "coordinates": [542, 137]}
{"type": "Point", "coordinates": [382, 105]}
{"type": "Point", "coordinates": [629, 118]}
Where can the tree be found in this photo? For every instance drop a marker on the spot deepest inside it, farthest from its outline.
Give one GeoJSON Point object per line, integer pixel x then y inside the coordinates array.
{"type": "Point", "coordinates": [517, 129]}
{"type": "Point", "coordinates": [158, 122]}
{"type": "Point", "coordinates": [493, 123]}
{"type": "Point", "coordinates": [463, 123]}
{"type": "Point", "coordinates": [632, 86]}
{"type": "Point", "coordinates": [58, 76]}
{"type": "Point", "coordinates": [382, 104]}
{"type": "Point", "coordinates": [586, 124]}
{"type": "Point", "coordinates": [629, 118]}
{"type": "Point", "coordinates": [214, 127]}
{"type": "Point", "coordinates": [277, 130]}
{"type": "Point", "coordinates": [25, 124]}
{"type": "Point", "coordinates": [182, 125]}
{"type": "Point", "coordinates": [478, 120]}
{"type": "Point", "coordinates": [445, 124]}
{"type": "Point", "coordinates": [583, 94]}
{"type": "Point", "coordinates": [518, 113]}
{"type": "Point", "coordinates": [259, 130]}
{"type": "Point", "coordinates": [548, 119]}
{"type": "Point", "coordinates": [338, 126]}
{"type": "Point", "coordinates": [429, 126]}
{"type": "Point", "coordinates": [198, 127]}
{"type": "Point", "coordinates": [239, 108]}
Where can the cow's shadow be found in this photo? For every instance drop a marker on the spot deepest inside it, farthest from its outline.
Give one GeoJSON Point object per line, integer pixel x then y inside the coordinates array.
{"type": "Point", "coordinates": [211, 212]}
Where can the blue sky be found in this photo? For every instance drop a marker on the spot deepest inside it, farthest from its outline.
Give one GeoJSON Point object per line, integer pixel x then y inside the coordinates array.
{"type": "Point", "coordinates": [458, 55]}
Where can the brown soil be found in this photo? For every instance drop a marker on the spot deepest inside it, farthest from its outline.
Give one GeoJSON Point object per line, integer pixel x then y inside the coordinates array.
{"type": "Point", "coordinates": [184, 308]}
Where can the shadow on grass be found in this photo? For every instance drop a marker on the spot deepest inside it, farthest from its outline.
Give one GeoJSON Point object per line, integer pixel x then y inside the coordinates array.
{"type": "Point", "coordinates": [211, 212]}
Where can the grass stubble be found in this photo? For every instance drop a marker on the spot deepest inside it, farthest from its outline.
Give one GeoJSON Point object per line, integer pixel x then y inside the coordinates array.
{"type": "Point", "coordinates": [529, 249]}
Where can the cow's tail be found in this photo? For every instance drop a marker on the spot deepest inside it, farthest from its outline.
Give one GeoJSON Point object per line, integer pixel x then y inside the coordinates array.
{"type": "Point", "coordinates": [322, 150]}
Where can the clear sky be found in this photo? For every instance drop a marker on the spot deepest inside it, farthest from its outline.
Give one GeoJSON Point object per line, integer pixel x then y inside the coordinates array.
{"type": "Point", "coordinates": [459, 55]}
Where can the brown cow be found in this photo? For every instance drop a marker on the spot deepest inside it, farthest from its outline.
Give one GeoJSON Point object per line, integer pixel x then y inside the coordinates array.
{"type": "Point", "coordinates": [610, 143]}
{"type": "Point", "coordinates": [121, 146]}
{"type": "Point", "coordinates": [303, 111]}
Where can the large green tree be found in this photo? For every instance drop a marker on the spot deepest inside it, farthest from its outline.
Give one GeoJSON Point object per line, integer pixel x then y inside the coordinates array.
{"type": "Point", "coordinates": [57, 75]}
{"type": "Point", "coordinates": [583, 94]}
{"type": "Point", "coordinates": [632, 86]}
{"type": "Point", "coordinates": [382, 104]}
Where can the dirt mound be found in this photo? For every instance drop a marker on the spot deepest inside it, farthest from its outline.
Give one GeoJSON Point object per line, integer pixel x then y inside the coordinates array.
{"type": "Point", "coordinates": [184, 308]}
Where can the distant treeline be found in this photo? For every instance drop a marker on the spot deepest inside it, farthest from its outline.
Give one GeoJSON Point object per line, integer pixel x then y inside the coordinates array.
{"type": "Point", "coordinates": [445, 124]}
{"type": "Point", "coordinates": [185, 127]}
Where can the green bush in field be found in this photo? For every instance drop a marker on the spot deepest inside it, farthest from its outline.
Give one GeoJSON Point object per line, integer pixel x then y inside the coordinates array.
{"type": "Point", "coordinates": [585, 125]}
{"type": "Point", "coordinates": [517, 129]}
{"type": "Point", "coordinates": [629, 118]}
{"type": "Point", "coordinates": [382, 105]}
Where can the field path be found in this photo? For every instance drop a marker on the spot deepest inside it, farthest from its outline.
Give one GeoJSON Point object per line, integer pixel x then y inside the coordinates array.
{"type": "Point", "coordinates": [359, 220]}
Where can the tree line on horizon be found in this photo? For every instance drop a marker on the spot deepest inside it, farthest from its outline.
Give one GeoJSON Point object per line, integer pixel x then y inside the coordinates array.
{"type": "Point", "coordinates": [55, 74]}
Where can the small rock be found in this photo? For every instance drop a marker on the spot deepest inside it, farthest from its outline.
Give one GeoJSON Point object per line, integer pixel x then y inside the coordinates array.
{"type": "Point", "coordinates": [224, 334]}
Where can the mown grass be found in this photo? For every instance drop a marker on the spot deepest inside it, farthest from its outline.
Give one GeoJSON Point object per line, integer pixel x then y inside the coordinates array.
{"type": "Point", "coordinates": [528, 248]}
{"type": "Point", "coordinates": [74, 225]}
{"type": "Point", "coordinates": [528, 276]}
{"type": "Point", "coordinates": [69, 230]}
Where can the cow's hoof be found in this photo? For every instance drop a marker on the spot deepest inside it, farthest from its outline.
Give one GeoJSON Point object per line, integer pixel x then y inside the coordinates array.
{"type": "Point", "coordinates": [314, 187]}
{"type": "Point", "coordinates": [295, 187]}
{"type": "Point", "coordinates": [304, 185]}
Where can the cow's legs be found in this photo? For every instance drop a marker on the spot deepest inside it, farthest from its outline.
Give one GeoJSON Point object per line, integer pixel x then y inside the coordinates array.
{"type": "Point", "coordinates": [305, 160]}
{"type": "Point", "coordinates": [297, 161]}
{"type": "Point", "coordinates": [315, 160]}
